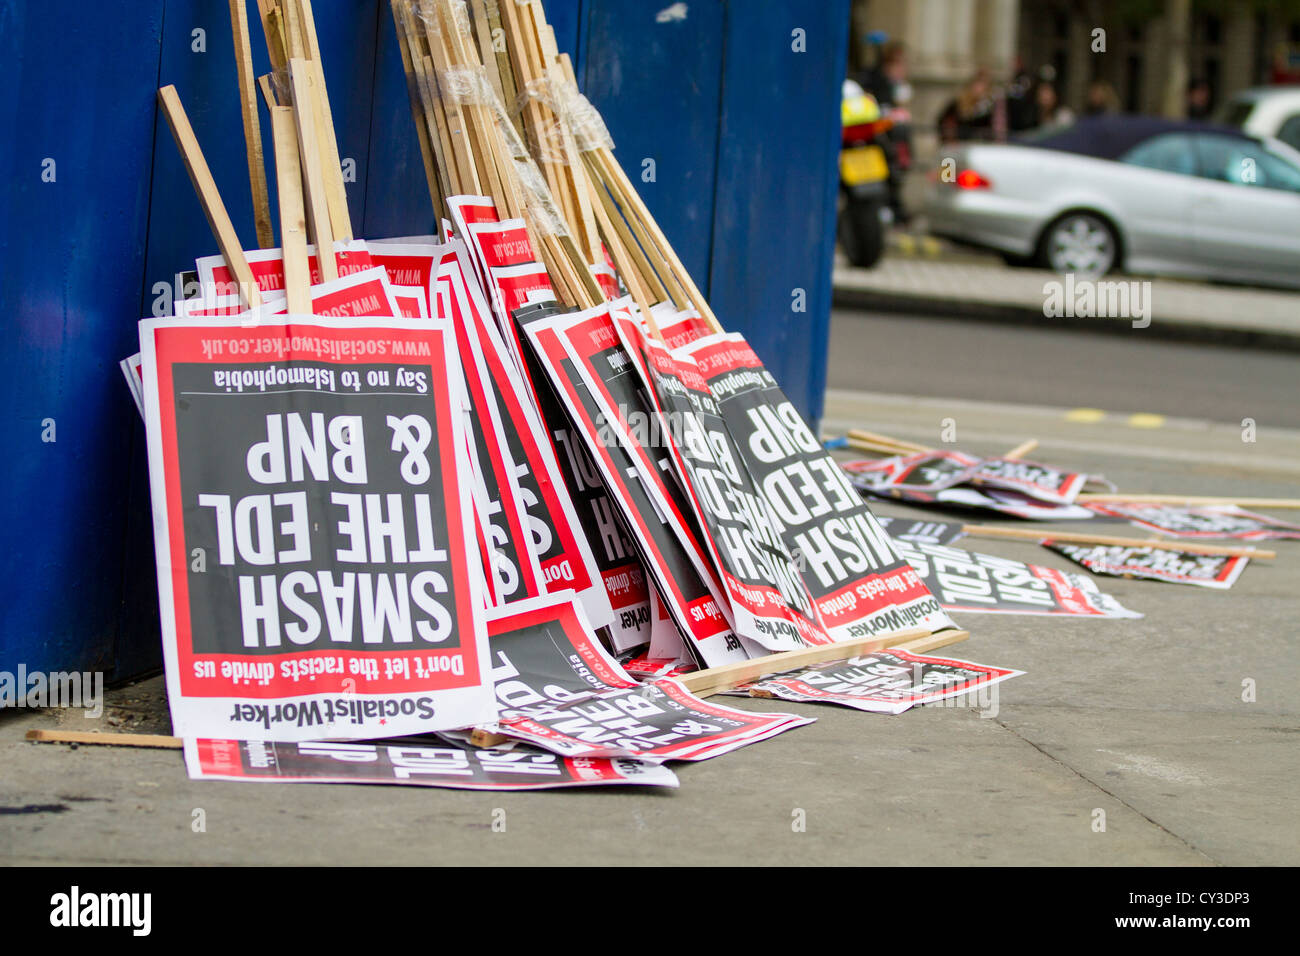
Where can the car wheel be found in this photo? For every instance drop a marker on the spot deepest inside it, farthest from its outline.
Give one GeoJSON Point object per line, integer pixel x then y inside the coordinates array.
{"type": "Point", "coordinates": [1079, 242]}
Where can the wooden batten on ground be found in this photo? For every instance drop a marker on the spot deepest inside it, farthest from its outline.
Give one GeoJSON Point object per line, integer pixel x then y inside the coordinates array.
{"type": "Point", "coordinates": [106, 740]}
{"type": "Point", "coordinates": [714, 680]}
{"type": "Point", "coordinates": [1083, 537]}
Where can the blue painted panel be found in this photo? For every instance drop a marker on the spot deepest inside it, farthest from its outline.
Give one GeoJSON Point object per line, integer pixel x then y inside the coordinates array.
{"type": "Point", "coordinates": [397, 196]}
{"type": "Point", "coordinates": [658, 85]}
{"type": "Point", "coordinates": [73, 256]}
{"type": "Point", "coordinates": [565, 18]}
{"type": "Point", "coordinates": [774, 209]}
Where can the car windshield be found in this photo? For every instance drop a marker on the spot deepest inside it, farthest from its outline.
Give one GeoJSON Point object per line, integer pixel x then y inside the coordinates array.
{"type": "Point", "coordinates": [1234, 113]}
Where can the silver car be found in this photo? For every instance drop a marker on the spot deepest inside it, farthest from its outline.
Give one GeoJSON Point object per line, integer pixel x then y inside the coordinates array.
{"type": "Point", "coordinates": [1149, 195]}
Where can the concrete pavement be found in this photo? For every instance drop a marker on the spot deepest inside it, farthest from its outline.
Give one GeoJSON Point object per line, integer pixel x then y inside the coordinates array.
{"type": "Point", "coordinates": [965, 286]}
{"type": "Point", "coordinates": [1137, 724]}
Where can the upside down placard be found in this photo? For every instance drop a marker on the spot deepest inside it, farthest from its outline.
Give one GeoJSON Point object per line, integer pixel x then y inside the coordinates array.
{"type": "Point", "coordinates": [312, 528]}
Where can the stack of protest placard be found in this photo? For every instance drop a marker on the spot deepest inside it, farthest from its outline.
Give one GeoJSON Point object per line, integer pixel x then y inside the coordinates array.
{"type": "Point", "coordinates": [425, 492]}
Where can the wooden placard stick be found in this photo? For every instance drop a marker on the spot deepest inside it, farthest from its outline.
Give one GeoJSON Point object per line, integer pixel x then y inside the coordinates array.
{"type": "Point", "coordinates": [509, 86]}
{"type": "Point", "coordinates": [594, 293]}
{"type": "Point", "coordinates": [252, 124]}
{"type": "Point", "coordinates": [627, 269]}
{"type": "Point", "coordinates": [716, 679]}
{"type": "Point", "coordinates": [645, 272]}
{"type": "Point", "coordinates": [569, 171]}
{"type": "Point", "coordinates": [293, 224]}
{"type": "Point", "coordinates": [273, 30]}
{"type": "Point", "coordinates": [547, 124]}
{"type": "Point", "coordinates": [109, 740]}
{"type": "Point", "coordinates": [459, 53]}
{"type": "Point", "coordinates": [426, 87]}
{"type": "Point", "coordinates": [560, 266]}
{"type": "Point", "coordinates": [908, 446]}
{"type": "Point", "coordinates": [672, 290]}
{"type": "Point", "coordinates": [483, 35]}
{"type": "Point", "coordinates": [1193, 500]}
{"type": "Point", "coordinates": [209, 198]}
{"type": "Point", "coordinates": [630, 199]}
{"type": "Point", "coordinates": [564, 291]}
{"type": "Point", "coordinates": [301, 76]}
{"type": "Point", "coordinates": [526, 70]}
{"type": "Point", "coordinates": [436, 188]}
{"type": "Point", "coordinates": [938, 639]}
{"type": "Point", "coordinates": [436, 66]}
{"type": "Point", "coordinates": [437, 119]}
{"type": "Point", "coordinates": [577, 170]}
{"type": "Point", "coordinates": [290, 20]}
{"type": "Point", "coordinates": [889, 451]}
{"type": "Point", "coordinates": [1083, 537]}
{"type": "Point", "coordinates": [1021, 450]}
{"type": "Point", "coordinates": [268, 91]}
{"type": "Point", "coordinates": [335, 189]}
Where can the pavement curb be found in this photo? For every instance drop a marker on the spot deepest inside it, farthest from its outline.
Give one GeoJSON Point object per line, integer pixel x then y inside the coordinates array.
{"type": "Point", "coordinates": [1008, 313]}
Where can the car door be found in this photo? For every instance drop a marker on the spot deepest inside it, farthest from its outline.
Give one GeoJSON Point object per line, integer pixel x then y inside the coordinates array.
{"type": "Point", "coordinates": [1153, 189]}
{"type": "Point", "coordinates": [1246, 214]}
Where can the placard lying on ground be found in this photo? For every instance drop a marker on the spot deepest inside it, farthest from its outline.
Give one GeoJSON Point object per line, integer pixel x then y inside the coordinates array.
{"type": "Point", "coordinates": [923, 471]}
{"type": "Point", "coordinates": [876, 478]}
{"type": "Point", "coordinates": [312, 528]}
{"type": "Point", "coordinates": [921, 531]}
{"type": "Point", "coordinates": [860, 585]}
{"type": "Point", "coordinates": [412, 764]}
{"type": "Point", "coordinates": [1180, 521]}
{"type": "Point", "coordinates": [559, 689]}
{"type": "Point", "coordinates": [1040, 482]}
{"type": "Point", "coordinates": [969, 581]}
{"type": "Point", "coordinates": [1157, 564]}
{"type": "Point", "coordinates": [883, 682]}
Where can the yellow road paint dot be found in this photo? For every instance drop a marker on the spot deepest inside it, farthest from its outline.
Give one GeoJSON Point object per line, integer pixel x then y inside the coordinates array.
{"type": "Point", "coordinates": [907, 245]}
{"type": "Point", "coordinates": [930, 246]}
{"type": "Point", "coordinates": [1087, 415]}
{"type": "Point", "coordinates": [1145, 420]}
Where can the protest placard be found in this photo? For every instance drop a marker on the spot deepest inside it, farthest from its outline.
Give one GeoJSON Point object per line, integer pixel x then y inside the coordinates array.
{"type": "Point", "coordinates": [1156, 564]}
{"type": "Point", "coordinates": [968, 581]}
{"type": "Point", "coordinates": [558, 689]}
{"type": "Point", "coordinates": [860, 584]}
{"type": "Point", "coordinates": [413, 763]}
{"type": "Point", "coordinates": [883, 682]}
{"type": "Point", "coordinates": [1205, 521]}
{"type": "Point", "coordinates": [312, 528]}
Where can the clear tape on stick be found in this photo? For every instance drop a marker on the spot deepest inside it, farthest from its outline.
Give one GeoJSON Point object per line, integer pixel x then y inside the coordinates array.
{"type": "Point", "coordinates": [546, 137]}
{"type": "Point", "coordinates": [575, 110]}
{"type": "Point", "coordinates": [470, 85]}
{"type": "Point", "coordinates": [558, 93]}
{"type": "Point", "coordinates": [427, 10]}
{"type": "Point", "coordinates": [466, 85]}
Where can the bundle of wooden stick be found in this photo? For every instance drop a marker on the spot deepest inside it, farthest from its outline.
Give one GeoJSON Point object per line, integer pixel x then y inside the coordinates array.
{"type": "Point", "coordinates": [513, 126]}
{"type": "Point", "coordinates": [309, 177]}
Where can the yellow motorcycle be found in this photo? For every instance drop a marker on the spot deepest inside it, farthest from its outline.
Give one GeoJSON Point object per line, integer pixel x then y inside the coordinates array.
{"type": "Point", "coordinates": [864, 177]}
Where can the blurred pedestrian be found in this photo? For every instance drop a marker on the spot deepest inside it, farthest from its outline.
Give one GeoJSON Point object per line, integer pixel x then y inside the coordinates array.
{"type": "Point", "coordinates": [1198, 98]}
{"type": "Point", "coordinates": [1048, 109]}
{"type": "Point", "coordinates": [972, 114]}
{"type": "Point", "coordinates": [1100, 98]}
